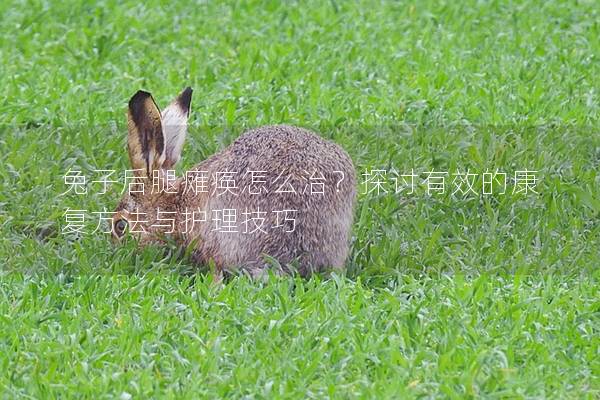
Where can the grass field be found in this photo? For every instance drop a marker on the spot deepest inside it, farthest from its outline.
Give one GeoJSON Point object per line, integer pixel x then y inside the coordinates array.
{"type": "Point", "coordinates": [445, 296]}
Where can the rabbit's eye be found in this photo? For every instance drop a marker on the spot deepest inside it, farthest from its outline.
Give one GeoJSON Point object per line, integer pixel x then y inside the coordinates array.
{"type": "Point", "coordinates": [120, 227]}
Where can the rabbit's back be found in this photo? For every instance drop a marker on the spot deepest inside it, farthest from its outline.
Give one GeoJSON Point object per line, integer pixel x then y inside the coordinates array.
{"type": "Point", "coordinates": [293, 194]}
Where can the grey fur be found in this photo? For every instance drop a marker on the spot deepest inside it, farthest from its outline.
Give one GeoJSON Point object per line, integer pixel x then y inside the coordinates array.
{"type": "Point", "coordinates": [323, 224]}
{"type": "Point", "coordinates": [321, 236]}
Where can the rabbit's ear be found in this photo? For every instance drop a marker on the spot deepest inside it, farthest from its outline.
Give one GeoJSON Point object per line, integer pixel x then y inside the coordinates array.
{"type": "Point", "coordinates": [145, 140]}
{"type": "Point", "coordinates": [174, 124]}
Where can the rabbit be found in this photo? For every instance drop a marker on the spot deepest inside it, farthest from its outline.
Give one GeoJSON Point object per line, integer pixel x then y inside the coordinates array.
{"type": "Point", "coordinates": [300, 230]}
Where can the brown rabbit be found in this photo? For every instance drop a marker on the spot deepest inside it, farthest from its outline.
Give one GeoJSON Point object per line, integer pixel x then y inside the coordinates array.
{"type": "Point", "coordinates": [279, 197]}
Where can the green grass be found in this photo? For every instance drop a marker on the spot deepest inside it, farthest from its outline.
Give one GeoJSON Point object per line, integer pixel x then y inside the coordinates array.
{"type": "Point", "coordinates": [445, 296]}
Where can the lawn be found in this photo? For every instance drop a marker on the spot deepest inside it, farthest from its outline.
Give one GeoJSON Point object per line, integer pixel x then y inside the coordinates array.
{"type": "Point", "coordinates": [446, 295]}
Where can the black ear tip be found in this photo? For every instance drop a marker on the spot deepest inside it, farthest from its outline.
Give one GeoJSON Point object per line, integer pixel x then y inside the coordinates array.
{"type": "Point", "coordinates": [185, 98]}
{"type": "Point", "coordinates": [138, 98]}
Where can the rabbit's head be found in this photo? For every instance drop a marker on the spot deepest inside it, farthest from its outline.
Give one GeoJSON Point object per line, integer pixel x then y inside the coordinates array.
{"type": "Point", "coordinates": [154, 143]}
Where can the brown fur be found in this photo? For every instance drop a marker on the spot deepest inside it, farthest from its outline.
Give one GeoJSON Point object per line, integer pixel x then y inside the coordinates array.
{"type": "Point", "coordinates": [323, 221]}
